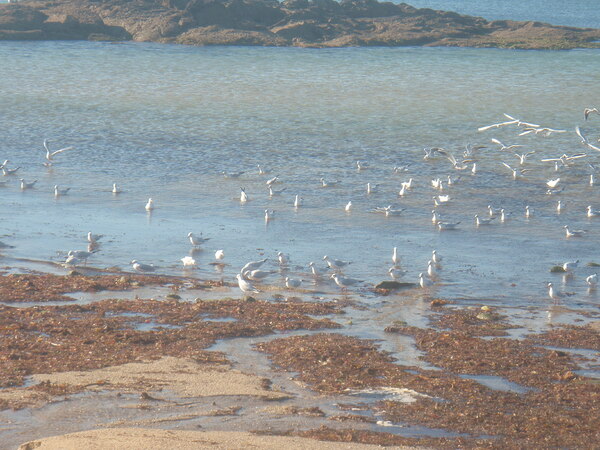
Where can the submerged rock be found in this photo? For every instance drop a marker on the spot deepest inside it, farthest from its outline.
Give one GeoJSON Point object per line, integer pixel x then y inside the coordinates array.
{"type": "Point", "coordinates": [394, 285]}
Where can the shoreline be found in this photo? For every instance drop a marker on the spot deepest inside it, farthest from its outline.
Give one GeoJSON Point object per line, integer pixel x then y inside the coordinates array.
{"type": "Point", "coordinates": [293, 366]}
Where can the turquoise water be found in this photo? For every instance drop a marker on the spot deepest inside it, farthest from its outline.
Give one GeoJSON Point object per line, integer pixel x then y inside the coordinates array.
{"type": "Point", "coordinates": [575, 13]}
{"type": "Point", "coordinates": [163, 122]}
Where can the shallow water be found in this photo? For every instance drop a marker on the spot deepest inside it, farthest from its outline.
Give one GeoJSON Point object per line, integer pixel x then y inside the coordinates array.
{"type": "Point", "coordinates": [164, 121]}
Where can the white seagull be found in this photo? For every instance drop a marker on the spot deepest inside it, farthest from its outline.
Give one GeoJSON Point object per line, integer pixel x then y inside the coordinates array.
{"type": "Point", "coordinates": [140, 267]}
{"type": "Point", "coordinates": [243, 196]}
{"type": "Point", "coordinates": [253, 265]}
{"type": "Point", "coordinates": [150, 205]}
{"type": "Point", "coordinates": [344, 282]}
{"type": "Point", "coordinates": [335, 264]}
{"type": "Point", "coordinates": [505, 147]}
{"type": "Point", "coordinates": [574, 233]}
{"type": "Point", "coordinates": [447, 225]}
{"type": "Point", "coordinates": [584, 140]}
{"type": "Point", "coordinates": [245, 286]}
{"type": "Point", "coordinates": [591, 212]}
{"type": "Point", "coordinates": [195, 240]}
{"type": "Point", "coordinates": [292, 283]}
{"type": "Point", "coordinates": [424, 282]}
{"type": "Point", "coordinates": [50, 155]}
{"type": "Point", "coordinates": [116, 189]}
{"type": "Point", "coordinates": [588, 111]}
{"type": "Point", "coordinates": [592, 280]}
{"type": "Point", "coordinates": [395, 257]}
{"type": "Point", "coordinates": [27, 185]}
{"type": "Point", "coordinates": [219, 255]}
{"type": "Point", "coordinates": [348, 206]}
{"type": "Point", "coordinates": [58, 192]}
{"type": "Point", "coordinates": [188, 261]}
{"type": "Point", "coordinates": [94, 238]}
{"type": "Point", "coordinates": [298, 201]}
{"type": "Point", "coordinates": [481, 221]}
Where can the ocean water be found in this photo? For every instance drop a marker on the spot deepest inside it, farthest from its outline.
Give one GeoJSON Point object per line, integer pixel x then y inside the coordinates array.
{"type": "Point", "coordinates": [164, 121]}
{"type": "Point", "coordinates": [574, 13]}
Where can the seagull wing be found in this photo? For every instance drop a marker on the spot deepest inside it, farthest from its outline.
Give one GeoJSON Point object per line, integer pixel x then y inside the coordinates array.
{"type": "Point", "coordinates": [506, 165]}
{"type": "Point", "coordinates": [578, 131]}
{"type": "Point", "coordinates": [60, 151]}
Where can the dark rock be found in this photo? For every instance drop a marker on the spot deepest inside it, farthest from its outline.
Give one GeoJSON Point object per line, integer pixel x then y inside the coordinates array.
{"type": "Point", "coordinates": [314, 23]}
{"type": "Point", "coordinates": [394, 285]}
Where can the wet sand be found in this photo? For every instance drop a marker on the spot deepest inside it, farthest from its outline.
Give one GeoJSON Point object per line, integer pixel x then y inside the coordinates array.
{"type": "Point", "coordinates": [289, 370]}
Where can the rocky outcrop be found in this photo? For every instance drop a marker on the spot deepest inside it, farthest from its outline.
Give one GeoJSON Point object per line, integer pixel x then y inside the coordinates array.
{"type": "Point", "coordinates": [314, 23]}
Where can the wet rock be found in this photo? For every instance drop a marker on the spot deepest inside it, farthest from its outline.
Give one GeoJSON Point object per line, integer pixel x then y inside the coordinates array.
{"type": "Point", "coordinates": [394, 285]}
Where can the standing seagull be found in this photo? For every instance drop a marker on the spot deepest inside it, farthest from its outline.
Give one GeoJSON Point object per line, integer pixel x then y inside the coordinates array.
{"type": "Point", "coordinates": [245, 286]}
{"type": "Point", "coordinates": [50, 155]}
{"type": "Point", "coordinates": [150, 205]}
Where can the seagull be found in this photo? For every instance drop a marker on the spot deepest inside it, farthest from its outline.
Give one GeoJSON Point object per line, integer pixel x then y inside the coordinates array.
{"type": "Point", "coordinates": [232, 174]}
{"type": "Point", "coordinates": [50, 155]}
{"type": "Point", "coordinates": [515, 172]}
{"type": "Point", "coordinates": [402, 191]}
{"type": "Point", "coordinates": [559, 207]}
{"type": "Point", "coordinates": [401, 169]}
{"type": "Point", "coordinates": [395, 272]}
{"type": "Point", "coordinates": [327, 184]}
{"type": "Point", "coordinates": [6, 171]}
{"type": "Point", "coordinates": [283, 259]}
{"type": "Point", "coordinates": [219, 255]}
{"type": "Point", "coordinates": [431, 269]}
{"type": "Point", "coordinates": [497, 125]}
{"type": "Point", "coordinates": [272, 180]}
{"type": "Point", "coordinates": [437, 183]}
{"type": "Point", "coordinates": [292, 283]}
{"type": "Point", "coordinates": [493, 211]}
{"type": "Point", "coordinates": [335, 264]}
{"type": "Point", "coordinates": [58, 192]}
{"type": "Point", "coordinates": [188, 261]}
{"type": "Point", "coordinates": [505, 147]}
{"type": "Point", "coordinates": [528, 212]}
{"type": "Point", "coordinates": [424, 282]}
{"type": "Point", "coordinates": [150, 205]}
{"type": "Point", "coordinates": [543, 131]}
{"type": "Point", "coordinates": [554, 294]}
{"type": "Point", "coordinates": [435, 257]}
{"type": "Point", "coordinates": [395, 257]}
{"type": "Point", "coordinates": [435, 218]}
{"type": "Point", "coordinates": [243, 195]}
{"type": "Point", "coordinates": [253, 265]}
{"type": "Point", "coordinates": [584, 140]}
{"type": "Point", "coordinates": [474, 169]}
{"type": "Point", "coordinates": [447, 225]}
{"type": "Point", "coordinates": [245, 286]}
{"type": "Point", "coordinates": [360, 165]}
{"type": "Point", "coordinates": [455, 163]}
{"type": "Point", "coordinates": [441, 199]}
{"type": "Point", "coordinates": [315, 270]}
{"type": "Point", "coordinates": [574, 233]}
{"type": "Point", "coordinates": [503, 215]}
{"type": "Point", "coordinates": [116, 189]}
{"type": "Point", "coordinates": [481, 221]}
{"type": "Point", "coordinates": [269, 215]}
{"type": "Point", "coordinates": [452, 181]}
{"type": "Point", "coordinates": [257, 274]}
{"type": "Point", "coordinates": [523, 157]}
{"type": "Point", "coordinates": [407, 184]}
{"type": "Point", "coordinates": [273, 192]}
{"type": "Point", "coordinates": [570, 266]}
{"type": "Point", "coordinates": [26, 185]}
{"type": "Point", "coordinates": [592, 280]}
{"type": "Point", "coordinates": [591, 212]}
{"type": "Point", "coordinates": [262, 171]}
{"type": "Point", "coordinates": [372, 188]}
{"type": "Point", "coordinates": [76, 256]}
{"type": "Point", "coordinates": [140, 267]}
{"type": "Point", "coordinates": [348, 206]}
{"type": "Point", "coordinates": [519, 123]}
{"type": "Point", "coordinates": [94, 238]}
{"type": "Point", "coordinates": [196, 241]}
{"type": "Point", "coordinates": [553, 183]}
{"type": "Point", "coordinates": [298, 201]}
{"type": "Point", "coordinates": [588, 111]}
{"type": "Point", "coordinates": [344, 282]}
{"type": "Point", "coordinates": [591, 182]}
{"type": "Point", "coordinates": [431, 152]}
{"type": "Point", "coordinates": [565, 159]}
{"type": "Point", "coordinates": [389, 211]}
